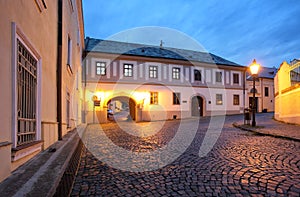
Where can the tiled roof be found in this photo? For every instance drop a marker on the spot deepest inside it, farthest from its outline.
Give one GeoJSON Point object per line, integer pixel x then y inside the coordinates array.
{"type": "Point", "coordinates": [265, 72]}
{"type": "Point", "coordinates": [115, 47]}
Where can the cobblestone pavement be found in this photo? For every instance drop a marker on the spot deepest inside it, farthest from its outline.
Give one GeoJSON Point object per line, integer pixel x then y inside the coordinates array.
{"type": "Point", "coordinates": [240, 164]}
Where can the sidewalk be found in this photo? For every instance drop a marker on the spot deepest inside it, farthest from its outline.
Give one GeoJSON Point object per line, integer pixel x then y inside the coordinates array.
{"type": "Point", "coordinates": [42, 174]}
{"type": "Point", "coordinates": [266, 125]}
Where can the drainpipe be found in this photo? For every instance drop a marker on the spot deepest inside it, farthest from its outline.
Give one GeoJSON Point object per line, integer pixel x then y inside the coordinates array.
{"type": "Point", "coordinates": [59, 70]}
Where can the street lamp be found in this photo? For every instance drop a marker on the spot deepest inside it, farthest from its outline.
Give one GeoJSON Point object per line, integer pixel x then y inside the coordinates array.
{"type": "Point", "coordinates": [254, 68]}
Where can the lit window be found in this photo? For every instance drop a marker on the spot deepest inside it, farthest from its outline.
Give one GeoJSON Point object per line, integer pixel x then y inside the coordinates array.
{"type": "Point", "coordinates": [153, 97]}
{"type": "Point", "coordinates": [236, 78]}
{"type": "Point", "coordinates": [219, 77]}
{"type": "Point", "coordinates": [266, 91]}
{"type": "Point", "coordinates": [153, 71]}
{"type": "Point", "coordinates": [100, 68]}
{"type": "Point", "coordinates": [197, 74]}
{"type": "Point", "coordinates": [176, 98]}
{"type": "Point", "coordinates": [236, 99]}
{"type": "Point", "coordinates": [127, 71]}
{"type": "Point", "coordinates": [219, 99]}
{"type": "Point", "coordinates": [176, 73]}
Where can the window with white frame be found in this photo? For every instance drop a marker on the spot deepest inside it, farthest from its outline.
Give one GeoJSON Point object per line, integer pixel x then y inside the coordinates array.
{"type": "Point", "coordinates": [26, 95]}
{"type": "Point", "coordinates": [176, 73]}
{"type": "Point", "coordinates": [176, 98]}
{"type": "Point", "coordinates": [236, 99]}
{"type": "Point", "coordinates": [197, 75]}
{"type": "Point", "coordinates": [236, 78]}
{"type": "Point", "coordinates": [153, 98]}
{"type": "Point", "coordinates": [127, 70]}
{"type": "Point", "coordinates": [218, 76]}
{"type": "Point", "coordinates": [219, 99]}
{"type": "Point", "coordinates": [152, 71]}
{"type": "Point", "coordinates": [100, 68]}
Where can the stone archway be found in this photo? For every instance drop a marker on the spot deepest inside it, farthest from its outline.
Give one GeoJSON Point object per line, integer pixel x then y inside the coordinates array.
{"type": "Point", "coordinates": [197, 106]}
{"type": "Point", "coordinates": [124, 108]}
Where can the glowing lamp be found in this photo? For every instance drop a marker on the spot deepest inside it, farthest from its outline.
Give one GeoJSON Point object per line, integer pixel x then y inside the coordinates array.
{"type": "Point", "coordinates": [254, 68]}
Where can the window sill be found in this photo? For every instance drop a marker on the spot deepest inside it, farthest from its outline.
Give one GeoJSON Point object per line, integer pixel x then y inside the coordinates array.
{"type": "Point", "coordinates": [25, 150]}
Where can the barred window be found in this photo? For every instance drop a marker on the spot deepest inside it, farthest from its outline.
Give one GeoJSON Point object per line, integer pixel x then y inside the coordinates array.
{"type": "Point", "coordinates": [127, 70]}
{"type": "Point", "coordinates": [219, 99]}
{"type": "Point", "coordinates": [153, 72]}
{"type": "Point", "coordinates": [153, 97]}
{"type": "Point", "coordinates": [26, 95]}
{"type": "Point", "coordinates": [100, 68]}
{"type": "Point", "coordinates": [176, 98]}
{"type": "Point", "coordinates": [236, 99]}
{"type": "Point", "coordinates": [176, 73]}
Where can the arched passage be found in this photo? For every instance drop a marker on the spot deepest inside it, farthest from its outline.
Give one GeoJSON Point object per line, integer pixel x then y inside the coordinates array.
{"type": "Point", "coordinates": [197, 107]}
{"type": "Point", "coordinates": [123, 108]}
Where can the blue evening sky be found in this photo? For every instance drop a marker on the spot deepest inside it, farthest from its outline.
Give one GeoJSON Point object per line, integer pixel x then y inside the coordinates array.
{"type": "Point", "coordinates": [237, 30]}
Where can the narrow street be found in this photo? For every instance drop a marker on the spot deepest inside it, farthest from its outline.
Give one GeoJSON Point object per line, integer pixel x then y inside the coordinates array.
{"type": "Point", "coordinates": [240, 163]}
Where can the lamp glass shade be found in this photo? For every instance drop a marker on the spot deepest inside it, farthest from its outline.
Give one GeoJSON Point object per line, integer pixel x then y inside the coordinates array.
{"type": "Point", "coordinates": [254, 68]}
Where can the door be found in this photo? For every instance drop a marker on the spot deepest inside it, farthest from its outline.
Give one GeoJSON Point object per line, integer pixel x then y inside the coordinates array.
{"type": "Point", "coordinates": [197, 106]}
{"type": "Point", "coordinates": [255, 103]}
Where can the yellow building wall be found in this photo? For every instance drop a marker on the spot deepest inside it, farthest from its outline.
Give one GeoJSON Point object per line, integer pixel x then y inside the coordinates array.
{"type": "Point", "coordinates": [287, 101]}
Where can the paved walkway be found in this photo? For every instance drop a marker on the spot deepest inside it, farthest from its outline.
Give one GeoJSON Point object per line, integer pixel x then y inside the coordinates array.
{"type": "Point", "coordinates": [239, 164]}
{"type": "Point", "coordinates": [266, 125]}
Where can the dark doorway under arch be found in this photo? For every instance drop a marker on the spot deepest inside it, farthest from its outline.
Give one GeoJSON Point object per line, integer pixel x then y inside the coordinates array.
{"type": "Point", "coordinates": [197, 106]}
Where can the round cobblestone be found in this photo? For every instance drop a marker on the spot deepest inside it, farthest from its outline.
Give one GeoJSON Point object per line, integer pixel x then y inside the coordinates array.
{"type": "Point", "coordinates": [239, 164]}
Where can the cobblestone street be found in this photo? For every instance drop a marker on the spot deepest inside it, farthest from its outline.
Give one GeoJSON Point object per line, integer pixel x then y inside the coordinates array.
{"type": "Point", "coordinates": [240, 163]}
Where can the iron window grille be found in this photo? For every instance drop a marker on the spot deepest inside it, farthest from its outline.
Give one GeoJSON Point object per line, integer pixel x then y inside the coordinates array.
{"type": "Point", "coordinates": [26, 96]}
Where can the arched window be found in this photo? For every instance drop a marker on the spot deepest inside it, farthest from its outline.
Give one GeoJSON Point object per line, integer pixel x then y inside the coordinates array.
{"type": "Point", "coordinates": [251, 91]}
{"type": "Point", "coordinates": [197, 75]}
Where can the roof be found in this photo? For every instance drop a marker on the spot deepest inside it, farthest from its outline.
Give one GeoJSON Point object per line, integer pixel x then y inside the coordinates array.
{"type": "Point", "coordinates": [116, 47]}
{"type": "Point", "coordinates": [265, 72]}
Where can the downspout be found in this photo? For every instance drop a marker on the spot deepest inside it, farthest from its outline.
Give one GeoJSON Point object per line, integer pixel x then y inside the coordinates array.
{"type": "Point", "coordinates": [59, 70]}
{"type": "Point", "coordinates": [244, 89]}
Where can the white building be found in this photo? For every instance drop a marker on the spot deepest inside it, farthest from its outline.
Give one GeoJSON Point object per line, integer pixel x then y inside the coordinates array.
{"type": "Point", "coordinates": [159, 83]}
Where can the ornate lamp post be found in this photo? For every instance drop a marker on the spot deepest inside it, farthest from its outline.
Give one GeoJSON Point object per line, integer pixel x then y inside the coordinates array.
{"type": "Point", "coordinates": [254, 68]}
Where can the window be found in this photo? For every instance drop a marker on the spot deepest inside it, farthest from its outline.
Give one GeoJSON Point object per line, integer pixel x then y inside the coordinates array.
{"type": "Point", "coordinates": [100, 68]}
{"type": "Point", "coordinates": [153, 97]}
{"type": "Point", "coordinates": [236, 99]}
{"type": "Point", "coordinates": [127, 70]}
{"type": "Point", "coordinates": [236, 78]}
{"type": "Point", "coordinates": [266, 91]}
{"type": "Point", "coordinates": [153, 72]}
{"type": "Point", "coordinates": [252, 90]}
{"type": "Point", "coordinates": [26, 95]}
{"type": "Point", "coordinates": [219, 99]}
{"type": "Point", "coordinates": [69, 60]}
{"type": "Point", "coordinates": [176, 98]}
{"type": "Point", "coordinates": [176, 73]}
{"type": "Point", "coordinates": [219, 77]}
{"type": "Point", "coordinates": [68, 110]}
{"type": "Point", "coordinates": [197, 75]}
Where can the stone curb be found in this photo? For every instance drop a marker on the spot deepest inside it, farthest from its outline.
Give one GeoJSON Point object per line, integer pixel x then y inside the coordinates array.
{"type": "Point", "coordinates": [41, 175]}
{"type": "Point", "coordinates": [260, 132]}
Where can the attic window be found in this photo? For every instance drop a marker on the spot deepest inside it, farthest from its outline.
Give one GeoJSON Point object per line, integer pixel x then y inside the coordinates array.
{"type": "Point", "coordinates": [143, 50]}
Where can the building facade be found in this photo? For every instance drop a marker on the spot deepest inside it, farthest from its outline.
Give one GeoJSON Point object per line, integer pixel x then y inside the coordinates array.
{"type": "Point", "coordinates": [287, 92]}
{"type": "Point", "coordinates": [41, 46]}
{"type": "Point", "coordinates": [264, 90]}
{"type": "Point", "coordinates": [157, 83]}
